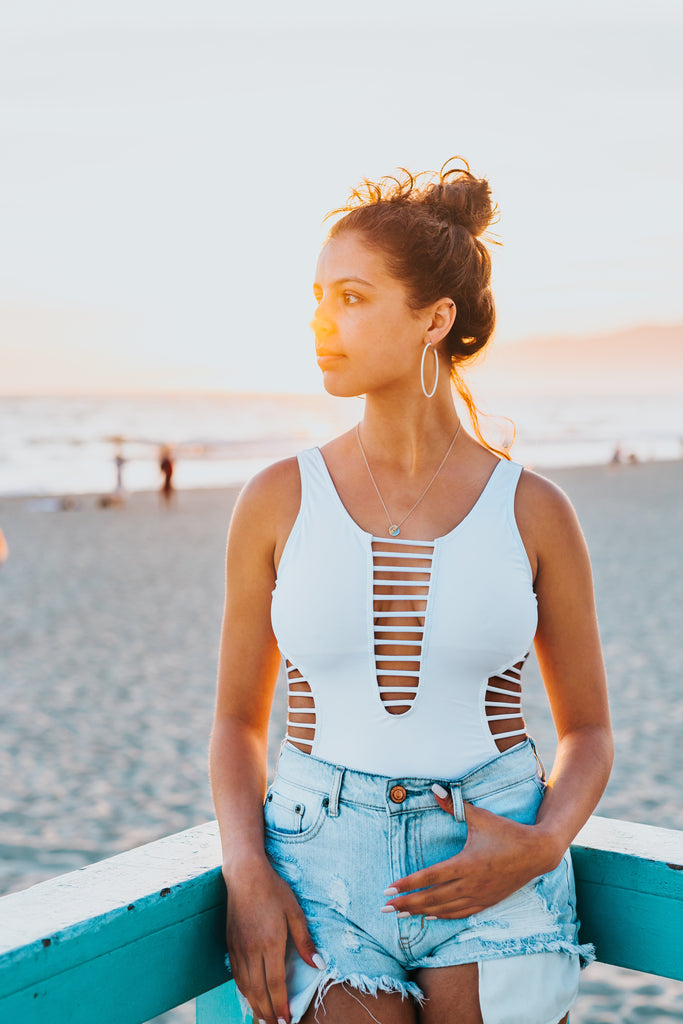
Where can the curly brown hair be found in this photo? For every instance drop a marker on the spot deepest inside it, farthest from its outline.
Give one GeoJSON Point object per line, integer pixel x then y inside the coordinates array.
{"type": "Point", "coordinates": [428, 227]}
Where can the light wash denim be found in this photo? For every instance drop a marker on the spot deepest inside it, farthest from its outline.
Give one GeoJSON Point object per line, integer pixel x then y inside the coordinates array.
{"type": "Point", "coordinates": [339, 840]}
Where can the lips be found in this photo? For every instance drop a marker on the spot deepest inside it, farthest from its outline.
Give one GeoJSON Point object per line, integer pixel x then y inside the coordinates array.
{"type": "Point", "coordinates": [323, 357]}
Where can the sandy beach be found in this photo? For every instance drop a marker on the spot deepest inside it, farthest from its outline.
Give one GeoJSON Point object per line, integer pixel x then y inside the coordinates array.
{"type": "Point", "coordinates": [110, 623]}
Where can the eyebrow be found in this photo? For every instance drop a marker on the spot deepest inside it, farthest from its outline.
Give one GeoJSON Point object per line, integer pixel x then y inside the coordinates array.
{"type": "Point", "coordinates": [346, 280]}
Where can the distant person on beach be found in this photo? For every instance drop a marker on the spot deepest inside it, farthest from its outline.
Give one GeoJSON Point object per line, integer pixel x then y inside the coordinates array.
{"type": "Point", "coordinates": [4, 548]}
{"type": "Point", "coordinates": [166, 469]}
{"type": "Point", "coordinates": [120, 494]}
{"type": "Point", "coordinates": [410, 861]}
{"type": "Point", "coordinates": [119, 463]}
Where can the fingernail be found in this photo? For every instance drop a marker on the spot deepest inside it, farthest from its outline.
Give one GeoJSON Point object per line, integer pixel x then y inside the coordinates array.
{"type": "Point", "coordinates": [318, 961]}
{"type": "Point", "coordinates": [391, 891]}
{"type": "Point", "coordinates": [439, 791]}
{"type": "Point", "coordinates": [403, 913]}
{"type": "Point", "coordinates": [388, 910]}
{"type": "Point", "coordinates": [280, 1020]}
{"type": "Point", "coordinates": [431, 917]}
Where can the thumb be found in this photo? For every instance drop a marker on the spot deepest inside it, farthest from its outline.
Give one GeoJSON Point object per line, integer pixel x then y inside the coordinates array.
{"type": "Point", "coordinates": [443, 798]}
{"type": "Point", "coordinates": [301, 937]}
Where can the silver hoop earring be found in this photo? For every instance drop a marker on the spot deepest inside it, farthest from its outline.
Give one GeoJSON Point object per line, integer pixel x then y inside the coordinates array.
{"type": "Point", "coordinates": [429, 394]}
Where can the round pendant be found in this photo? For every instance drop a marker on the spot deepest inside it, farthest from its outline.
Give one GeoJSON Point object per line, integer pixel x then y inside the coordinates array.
{"type": "Point", "coordinates": [394, 531]}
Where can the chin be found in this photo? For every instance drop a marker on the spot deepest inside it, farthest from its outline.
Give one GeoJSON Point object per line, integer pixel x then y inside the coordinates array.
{"type": "Point", "coordinates": [339, 388]}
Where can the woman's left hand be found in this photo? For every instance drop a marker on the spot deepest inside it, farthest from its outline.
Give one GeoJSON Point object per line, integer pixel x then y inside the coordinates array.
{"type": "Point", "coordinates": [499, 857]}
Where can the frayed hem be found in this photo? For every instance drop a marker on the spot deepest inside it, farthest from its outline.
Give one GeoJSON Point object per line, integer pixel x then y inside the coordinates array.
{"type": "Point", "coordinates": [513, 947]}
{"type": "Point", "coordinates": [367, 986]}
{"type": "Point", "coordinates": [585, 952]}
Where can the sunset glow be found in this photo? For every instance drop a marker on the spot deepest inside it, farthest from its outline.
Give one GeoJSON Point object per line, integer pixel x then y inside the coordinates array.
{"type": "Point", "coordinates": [169, 170]}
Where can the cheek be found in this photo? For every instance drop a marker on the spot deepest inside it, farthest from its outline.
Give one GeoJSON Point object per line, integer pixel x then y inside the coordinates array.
{"type": "Point", "coordinates": [399, 340]}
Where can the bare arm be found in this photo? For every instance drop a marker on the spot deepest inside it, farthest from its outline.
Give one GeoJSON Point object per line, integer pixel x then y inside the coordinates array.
{"type": "Point", "coordinates": [247, 674]}
{"type": "Point", "coordinates": [570, 658]}
{"type": "Point", "coordinates": [262, 909]}
{"type": "Point", "coordinates": [501, 855]}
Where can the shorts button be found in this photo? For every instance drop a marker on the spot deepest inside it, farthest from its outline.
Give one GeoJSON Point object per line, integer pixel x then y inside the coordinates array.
{"type": "Point", "coordinates": [397, 794]}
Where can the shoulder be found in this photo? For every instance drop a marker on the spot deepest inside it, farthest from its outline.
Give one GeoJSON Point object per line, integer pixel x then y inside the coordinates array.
{"type": "Point", "coordinates": [274, 483]}
{"type": "Point", "coordinates": [542, 499]}
{"type": "Point", "coordinates": [267, 507]}
{"type": "Point", "coordinates": [547, 520]}
{"type": "Point", "coordinates": [271, 492]}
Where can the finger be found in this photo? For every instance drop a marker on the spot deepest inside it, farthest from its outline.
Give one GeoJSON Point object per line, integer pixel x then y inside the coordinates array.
{"type": "Point", "coordinates": [305, 946]}
{"type": "Point", "coordinates": [240, 973]}
{"type": "Point", "coordinates": [257, 994]}
{"type": "Point", "coordinates": [274, 967]}
{"type": "Point", "coordinates": [441, 902]}
{"type": "Point", "coordinates": [444, 871]}
{"type": "Point", "coordinates": [427, 901]}
{"type": "Point", "coordinates": [443, 798]}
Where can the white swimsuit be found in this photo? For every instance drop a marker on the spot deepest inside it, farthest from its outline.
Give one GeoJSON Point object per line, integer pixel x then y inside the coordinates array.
{"type": "Point", "coordinates": [435, 631]}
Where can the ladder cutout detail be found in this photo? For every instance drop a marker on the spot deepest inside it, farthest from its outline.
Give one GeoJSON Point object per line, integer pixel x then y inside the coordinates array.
{"type": "Point", "coordinates": [503, 706]}
{"type": "Point", "coordinates": [400, 591]}
{"type": "Point", "coordinates": [300, 711]}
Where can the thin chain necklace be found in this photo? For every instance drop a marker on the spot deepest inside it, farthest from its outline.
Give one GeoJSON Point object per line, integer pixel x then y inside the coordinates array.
{"type": "Point", "coordinates": [395, 528]}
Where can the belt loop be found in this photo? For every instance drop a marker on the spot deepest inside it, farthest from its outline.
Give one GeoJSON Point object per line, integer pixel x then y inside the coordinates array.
{"type": "Point", "coordinates": [458, 806]}
{"type": "Point", "coordinates": [333, 806]}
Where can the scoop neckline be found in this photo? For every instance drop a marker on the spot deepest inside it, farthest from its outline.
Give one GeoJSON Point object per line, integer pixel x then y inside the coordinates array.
{"type": "Point", "coordinates": [406, 540]}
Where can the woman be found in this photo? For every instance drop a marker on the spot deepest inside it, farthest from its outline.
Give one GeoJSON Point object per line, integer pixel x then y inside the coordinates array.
{"type": "Point", "coordinates": [412, 863]}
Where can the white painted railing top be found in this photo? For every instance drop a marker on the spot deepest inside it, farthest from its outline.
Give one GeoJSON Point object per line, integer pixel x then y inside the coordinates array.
{"type": "Point", "coordinates": [109, 886]}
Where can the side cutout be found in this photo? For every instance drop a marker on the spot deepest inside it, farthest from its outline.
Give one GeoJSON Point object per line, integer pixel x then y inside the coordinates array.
{"type": "Point", "coordinates": [301, 711]}
{"type": "Point", "coordinates": [503, 705]}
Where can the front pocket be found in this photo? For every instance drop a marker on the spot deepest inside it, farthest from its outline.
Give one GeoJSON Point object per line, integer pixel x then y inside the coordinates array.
{"type": "Point", "coordinates": [520, 802]}
{"type": "Point", "coordinates": [292, 813]}
{"type": "Point", "coordinates": [283, 815]}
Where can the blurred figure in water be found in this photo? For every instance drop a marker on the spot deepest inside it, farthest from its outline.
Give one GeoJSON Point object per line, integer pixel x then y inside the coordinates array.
{"type": "Point", "coordinates": [4, 549]}
{"type": "Point", "coordinates": [166, 467]}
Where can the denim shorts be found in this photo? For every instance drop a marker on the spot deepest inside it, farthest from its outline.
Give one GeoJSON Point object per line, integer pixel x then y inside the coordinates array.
{"type": "Point", "coordinates": [339, 838]}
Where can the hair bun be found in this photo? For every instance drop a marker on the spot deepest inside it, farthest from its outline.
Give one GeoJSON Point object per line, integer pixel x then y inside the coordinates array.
{"type": "Point", "coordinates": [462, 199]}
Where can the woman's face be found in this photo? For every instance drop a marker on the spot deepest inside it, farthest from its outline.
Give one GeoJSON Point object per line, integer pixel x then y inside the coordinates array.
{"type": "Point", "coordinates": [367, 338]}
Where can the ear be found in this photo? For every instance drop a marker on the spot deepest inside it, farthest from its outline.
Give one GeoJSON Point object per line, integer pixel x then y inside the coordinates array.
{"type": "Point", "coordinates": [441, 320]}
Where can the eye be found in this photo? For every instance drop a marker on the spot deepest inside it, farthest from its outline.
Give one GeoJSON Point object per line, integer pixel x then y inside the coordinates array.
{"type": "Point", "coordinates": [350, 298]}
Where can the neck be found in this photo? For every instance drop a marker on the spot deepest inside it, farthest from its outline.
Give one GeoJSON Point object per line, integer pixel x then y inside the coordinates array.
{"type": "Point", "coordinates": [410, 436]}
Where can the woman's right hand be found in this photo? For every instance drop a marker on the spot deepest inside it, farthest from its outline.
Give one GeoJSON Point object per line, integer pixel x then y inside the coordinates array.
{"type": "Point", "coordinates": [262, 911]}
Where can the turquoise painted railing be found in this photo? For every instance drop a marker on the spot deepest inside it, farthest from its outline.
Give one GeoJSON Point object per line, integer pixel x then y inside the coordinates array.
{"type": "Point", "coordinates": [126, 939]}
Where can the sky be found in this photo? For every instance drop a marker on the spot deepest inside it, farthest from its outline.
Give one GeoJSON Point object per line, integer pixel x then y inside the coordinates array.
{"type": "Point", "coordinates": [165, 169]}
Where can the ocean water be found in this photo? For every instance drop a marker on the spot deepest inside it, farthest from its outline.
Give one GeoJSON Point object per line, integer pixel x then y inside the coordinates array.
{"type": "Point", "coordinates": [66, 445]}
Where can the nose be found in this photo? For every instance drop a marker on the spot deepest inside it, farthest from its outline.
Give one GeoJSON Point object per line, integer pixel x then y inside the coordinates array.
{"type": "Point", "coordinates": [321, 325]}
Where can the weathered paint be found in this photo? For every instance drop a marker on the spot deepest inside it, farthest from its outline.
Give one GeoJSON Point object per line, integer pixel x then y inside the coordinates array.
{"type": "Point", "coordinates": [71, 949]}
{"type": "Point", "coordinates": [629, 886]}
{"type": "Point", "coordinates": [126, 939]}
